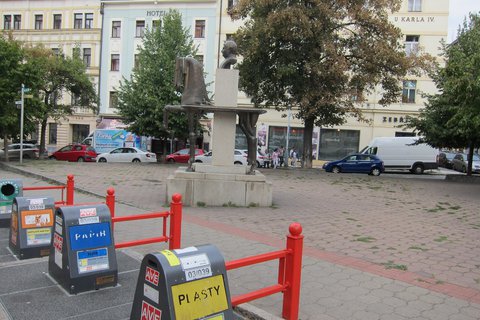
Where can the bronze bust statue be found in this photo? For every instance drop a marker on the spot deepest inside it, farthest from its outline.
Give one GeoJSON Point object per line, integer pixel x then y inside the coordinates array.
{"type": "Point", "coordinates": [229, 52]}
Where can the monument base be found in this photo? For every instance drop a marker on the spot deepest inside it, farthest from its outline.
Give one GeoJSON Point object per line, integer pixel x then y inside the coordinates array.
{"type": "Point", "coordinates": [220, 189]}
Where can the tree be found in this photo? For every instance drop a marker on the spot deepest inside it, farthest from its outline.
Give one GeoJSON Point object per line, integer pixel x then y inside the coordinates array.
{"type": "Point", "coordinates": [50, 76]}
{"type": "Point", "coordinates": [451, 118]}
{"type": "Point", "coordinates": [142, 98]}
{"type": "Point", "coordinates": [11, 70]}
{"type": "Point", "coordinates": [319, 57]}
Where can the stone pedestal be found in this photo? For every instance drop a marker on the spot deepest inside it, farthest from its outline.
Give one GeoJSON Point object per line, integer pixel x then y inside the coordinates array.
{"type": "Point", "coordinates": [220, 188]}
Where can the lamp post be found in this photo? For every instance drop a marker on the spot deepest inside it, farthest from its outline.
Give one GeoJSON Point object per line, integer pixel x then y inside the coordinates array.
{"type": "Point", "coordinates": [21, 123]}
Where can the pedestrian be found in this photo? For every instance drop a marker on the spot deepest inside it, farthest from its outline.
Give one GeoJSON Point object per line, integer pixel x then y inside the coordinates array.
{"type": "Point", "coordinates": [281, 156]}
{"type": "Point", "coordinates": [275, 158]}
{"type": "Point", "coordinates": [293, 156]}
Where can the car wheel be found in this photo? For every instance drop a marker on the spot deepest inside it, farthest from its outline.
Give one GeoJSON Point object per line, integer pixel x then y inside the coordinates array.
{"type": "Point", "coordinates": [464, 169]}
{"type": "Point", "coordinates": [171, 161]}
{"type": "Point", "coordinates": [26, 156]}
{"type": "Point", "coordinates": [136, 160]}
{"type": "Point", "coordinates": [336, 169]}
{"type": "Point", "coordinates": [80, 159]}
{"type": "Point", "coordinates": [52, 158]}
{"type": "Point", "coordinates": [102, 160]}
{"type": "Point", "coordinates": [198, 161]}
{"type": "Point", "coordinates": [375, 172]}
{"type": "Point", "coordinates": [417, 169]}
{"type": "Point", "coordinates": [237, 163]}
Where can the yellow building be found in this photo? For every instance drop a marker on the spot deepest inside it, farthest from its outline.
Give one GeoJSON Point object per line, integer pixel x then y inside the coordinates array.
{"type": "Point", "coordinates": [60, 25]}
{"type": "Point", "coordinates": [424, 23]}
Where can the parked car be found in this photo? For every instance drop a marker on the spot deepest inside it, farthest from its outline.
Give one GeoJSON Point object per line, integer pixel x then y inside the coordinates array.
{"type": "Point", "coordinates": [445, 158]}
{"type": "Point", "coordinates": [30, 151]}
{"type": "Point", "coordinates": [459, 162]}
{"type": "Point", "coordinates": [356, 163]}
{"type": "Point", "coordinates": [75, 152]}
{"type": "Point", "coordinates": [182, 155]}
{"type": "Point", "coordinates": [127, 155]}
{"type": "Point", "coordinates": [239, 157]}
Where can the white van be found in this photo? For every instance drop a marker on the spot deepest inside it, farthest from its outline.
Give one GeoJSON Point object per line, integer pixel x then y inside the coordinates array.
{"type": "Point", "coordinates": [400, 153]}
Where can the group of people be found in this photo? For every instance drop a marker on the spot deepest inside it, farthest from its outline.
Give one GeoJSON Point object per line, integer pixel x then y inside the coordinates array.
{"type": "Point", "coordinates": [278, 158]}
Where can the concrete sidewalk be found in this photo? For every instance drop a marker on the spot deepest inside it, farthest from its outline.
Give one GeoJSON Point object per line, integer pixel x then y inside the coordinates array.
{"type": "Point", "coordinates": [361, 233]}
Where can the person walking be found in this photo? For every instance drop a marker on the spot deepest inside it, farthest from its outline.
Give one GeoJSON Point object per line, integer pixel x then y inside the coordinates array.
{"type": "Point", "coordinates": [275, 158]}
{"type": "Point", "coordinates": [281, 158]}
{"type": "Point", "coordinates": [293, 156]}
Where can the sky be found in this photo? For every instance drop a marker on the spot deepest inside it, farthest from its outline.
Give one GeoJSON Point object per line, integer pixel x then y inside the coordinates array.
{"type": "Point", "coordinates": [458, 10]}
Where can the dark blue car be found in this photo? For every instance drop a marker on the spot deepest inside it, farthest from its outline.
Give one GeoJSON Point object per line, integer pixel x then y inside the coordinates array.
{"type": "Point", "coordinates": [356, 163]}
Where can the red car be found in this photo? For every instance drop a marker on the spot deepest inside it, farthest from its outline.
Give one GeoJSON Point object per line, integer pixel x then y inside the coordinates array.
{"type": "Point", "coordinates": [182, 155]}
{"type": "Point", "coordinates": [75, 152]}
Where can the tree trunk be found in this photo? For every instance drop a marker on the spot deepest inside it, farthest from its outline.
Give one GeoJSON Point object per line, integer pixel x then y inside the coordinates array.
{"type": "Point", "coordinates": [471, 146]}
{"type": "Point", "coordinates": [43, 129]}
{"type": "Point", "coordinates": [5, 147]}
{"type": "Point", "coordinates": [307, 143]}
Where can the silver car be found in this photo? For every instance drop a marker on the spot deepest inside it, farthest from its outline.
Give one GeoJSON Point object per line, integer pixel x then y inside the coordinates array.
{"type": "Point", "coordinates": [459, 162]}
{"type": "Point", "coordinates": [30, 151]}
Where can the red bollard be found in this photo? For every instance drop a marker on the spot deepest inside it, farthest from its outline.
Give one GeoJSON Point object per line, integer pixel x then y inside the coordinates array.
{"type": "Point", "coordinates": [70, 189]}
{"type": "Point", "coordinates": [175, 221]}
{"type": "Point", "coordinates": [293, 270]}
{"type": "Point", "coordinates": [110, 202]}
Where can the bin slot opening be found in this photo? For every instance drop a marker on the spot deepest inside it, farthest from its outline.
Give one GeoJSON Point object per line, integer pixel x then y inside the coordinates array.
{"type": "Point", "coordinates": [8, 189]}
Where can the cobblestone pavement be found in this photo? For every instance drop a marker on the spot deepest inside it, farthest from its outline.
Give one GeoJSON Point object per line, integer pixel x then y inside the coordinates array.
{"type": "Point", "coordinates": [375, 247]}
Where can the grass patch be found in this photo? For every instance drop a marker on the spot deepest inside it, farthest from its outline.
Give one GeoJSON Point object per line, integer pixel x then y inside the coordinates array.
{"type": "Point", "coordinates": [366, 239]}
{"type": "Point", "coordinates": [253, 205]}
{"type": "Point", "coordinates": [201, 204]}
{"type": "Point", "coordinates": [391, 265]}
{"type": "Point", "coordinates": [441, 239]}
{"type": "Point", "coordinates": [455, 208]}
{"type": "Point", "coordinates": [351, 219]}
{"type": "Point", "coordinates": [230, 204]}
{"type": "Point", "coordinates": [374, 248]}
{"type": "Point", "coordinates": [418, 248]}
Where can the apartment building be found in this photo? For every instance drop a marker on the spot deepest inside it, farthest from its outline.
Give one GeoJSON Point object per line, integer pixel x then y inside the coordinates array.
{"type": "Point", "coordinates": [61, 25]}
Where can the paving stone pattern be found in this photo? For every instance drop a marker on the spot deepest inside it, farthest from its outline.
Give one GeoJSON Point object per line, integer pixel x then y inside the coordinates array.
{"type": "Point", "coordinates": [383, 247]}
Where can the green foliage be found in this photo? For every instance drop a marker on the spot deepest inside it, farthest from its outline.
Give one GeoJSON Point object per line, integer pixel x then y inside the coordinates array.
{"type": "Point", "coordinates": [50, 76]}
{"type": "Point", "coordinates": [11, 70]}
{"type": "Point", "coordinates": [317, 55]}
{"type": "Point", "coordinates": [142, 98]}
{"type": "Point", "coordinates": [451, 118]}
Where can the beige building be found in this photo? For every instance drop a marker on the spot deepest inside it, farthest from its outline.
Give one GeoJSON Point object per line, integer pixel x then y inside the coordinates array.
{"type": "Point", "coordinates": [61, 25]}
{"type": "Point", "coordinates": [424, 23]}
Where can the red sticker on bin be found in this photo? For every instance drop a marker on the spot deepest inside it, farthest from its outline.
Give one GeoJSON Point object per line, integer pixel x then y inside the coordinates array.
{"type": "Point", "coordinates": [149, 312]}
{"type": "Point", "coordinates": [152, 276]}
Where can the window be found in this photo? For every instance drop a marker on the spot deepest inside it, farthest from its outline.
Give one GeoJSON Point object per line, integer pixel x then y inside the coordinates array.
{"type": "Point", "coordinates": [116, 28]}
{"type": "Point", "coordinates": [411, 45]}
{"type": "Point", "coordinates": [79, 132]}
{"type": "Point", "coordinates": [76, 100]}
{"type": "Point", "coordinates": [38, 21]}
{"type": "Point", "coordinates": [52, 133]}
{"type": "Point", "coordinates": [57, 21]}
{"type": "Point", "coordinates": [113, 101]}
{"type": "Point", "coordinates": [56, 51]}
{"type": "Point", "coordinates": [76, 52]}
{"type": "Point", "coordinates": [231, 4]}
{"type": "Point", "coordinates": [199, 58]}
{"type": "Point", "coordinates": [115, 62]}
{"type": "Point", "coordinates": [156, 24]}
{"type": "Point", "coordinates": [87, 57]}
{"type": "Point", "coordinates": [199, 28]}
{"type": "Point", "coordinates": [17, 22]}
{"type": "Point", "coordinates": [140, 30]}
{"type": "Point", "coordinates": [88, 20]}
{"type": "Point", "coordinates": [7, 22]}
{"type": "Point", "coordinates": [409, 88]}
{"type": "Point", "coordinates": [414, 5]}
{"type": "Point", "coordinates": [136, 61]}
{"type": "Point", "coordinates": [77, 21]}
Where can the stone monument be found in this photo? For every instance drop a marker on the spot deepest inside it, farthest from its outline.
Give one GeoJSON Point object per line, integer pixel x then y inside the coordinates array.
{"type": "Point", "coordinates": [222, 182]}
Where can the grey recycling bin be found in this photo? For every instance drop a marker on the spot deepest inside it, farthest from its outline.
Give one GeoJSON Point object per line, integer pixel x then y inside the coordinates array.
{"type": "Point", "coordinates": [189, 283]}
{"type": "Point", "coordinates": [31, 226]}
{"type": "Point", "coordinates": [9, 189]}
{"type": "Point", "coordinates": [83, 255]}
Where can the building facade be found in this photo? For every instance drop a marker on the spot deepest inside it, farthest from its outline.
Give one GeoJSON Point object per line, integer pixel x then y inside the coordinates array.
{"type": "Point", "coordinates": [63, 26]}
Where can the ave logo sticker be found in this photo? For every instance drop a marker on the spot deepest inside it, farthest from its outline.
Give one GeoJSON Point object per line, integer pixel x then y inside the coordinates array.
{"type": "Point", "coordinates": [149, 312]}
{"type": "Point", "coordinates": [152, 276]}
